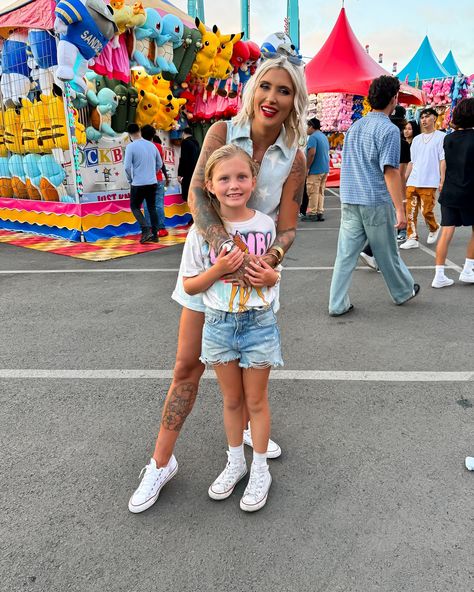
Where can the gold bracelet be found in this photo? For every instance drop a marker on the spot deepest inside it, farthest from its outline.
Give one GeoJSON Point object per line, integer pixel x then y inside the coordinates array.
{"type": "Point", "coordinates": [277, 259]}
{"type": "Point", "coordinates": [280, 253]}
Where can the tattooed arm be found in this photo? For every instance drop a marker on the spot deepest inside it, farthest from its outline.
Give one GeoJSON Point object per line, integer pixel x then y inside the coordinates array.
{"type": "Point", "coordinates": [205, 217]}
{"type": "Point", "coordinates": [291, 198]}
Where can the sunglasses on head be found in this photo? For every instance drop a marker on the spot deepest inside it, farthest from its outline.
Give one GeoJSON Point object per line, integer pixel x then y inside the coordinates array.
{"type": "Point", "coordinates": [275, 55]}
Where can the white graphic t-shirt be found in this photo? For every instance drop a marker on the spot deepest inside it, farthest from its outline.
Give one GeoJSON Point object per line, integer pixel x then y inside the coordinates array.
{"type": "Point", "coordinates": [258, 234]}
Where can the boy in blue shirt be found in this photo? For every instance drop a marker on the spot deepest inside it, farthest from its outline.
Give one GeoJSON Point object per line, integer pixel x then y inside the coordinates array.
{"type": "Point", "coordinates": [317, 163]}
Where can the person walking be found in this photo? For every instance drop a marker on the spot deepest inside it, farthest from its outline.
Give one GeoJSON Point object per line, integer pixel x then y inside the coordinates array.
{"type": "Point", "coordinates": [425, 175]}
{"type": "Point", "coordinates": [457, 194]}
{"type": "Point", "coordinates": [269, 127]}
{"type": "Point", "coordinates": [372, 200]}
{"type": "Point", "coordinates": [317, 163]}
{"type": "Point", "coordinates": [162, 181]}
{"type": "Point", "coordinates": [187, 161]}
{"type": "Point", "coordinates": [142, 163]}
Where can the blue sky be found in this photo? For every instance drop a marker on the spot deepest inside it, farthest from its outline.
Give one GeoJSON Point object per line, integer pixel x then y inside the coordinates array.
{"type": "Point", "coordinates": [395, 29]}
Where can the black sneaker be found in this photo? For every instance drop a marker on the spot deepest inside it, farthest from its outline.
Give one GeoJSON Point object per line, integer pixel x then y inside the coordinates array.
{"type": "Point", "coordinates": [309, 218]}
{"type": "Point", "coordinates": [319, 217]}
{"type": "Point", "coordinates": [146, 236]}
{"type": "Point", "coordinates": [154, 239]}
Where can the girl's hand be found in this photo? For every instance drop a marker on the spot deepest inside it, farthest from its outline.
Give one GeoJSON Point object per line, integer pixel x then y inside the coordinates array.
{"type": "Point", "coordinates": [229, 262]}
{"type": "Point", "coordinates": [260, 274]}
{"type": "Point", "coordinates": [238, 276]}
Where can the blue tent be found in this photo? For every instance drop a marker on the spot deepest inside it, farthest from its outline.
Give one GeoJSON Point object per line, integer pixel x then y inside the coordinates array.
{"type": "Point", "coordinates": [450, 65]}
{"type": "Point", "coordinates": [424, 65]}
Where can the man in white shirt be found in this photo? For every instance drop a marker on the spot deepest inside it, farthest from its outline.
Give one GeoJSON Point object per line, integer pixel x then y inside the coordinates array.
{"type": "Point", "coordinates": [425, 175]}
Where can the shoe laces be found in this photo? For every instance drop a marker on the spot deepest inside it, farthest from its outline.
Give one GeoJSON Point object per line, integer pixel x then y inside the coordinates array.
{"type": "Point", "coordinates": [150, 476]}
{"type": "Point", "coordinates": [256, 483]}
{"type": "Point", "coordinates": [230, 473]}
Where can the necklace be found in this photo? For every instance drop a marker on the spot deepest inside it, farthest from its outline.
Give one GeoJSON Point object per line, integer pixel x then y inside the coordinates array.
{"type": "Point", "coordinates": [431, 135]}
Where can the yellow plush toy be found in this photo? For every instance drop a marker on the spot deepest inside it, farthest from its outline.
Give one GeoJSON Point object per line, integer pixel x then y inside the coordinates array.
{"type": "Point", "coordinates": [153, 84]}
{"type": "Point", "coordinates": [44, 135]}
{"type": "Point", "coordinates": [28, 127]}
{"type": "Point", "coordinates": [222, 68]}
{"type": "Point", "coordinates": [126, 16]}
{"type": "Point", "coordinates": [148, 108]}
{"type": "Point", "coordinates": [204, 61]}
{"type": "Point", "coordinates": [13, 131]}
{"type": "Point", "coordinates": [3, 148]}
{"type": "Point", "coordinates": [168, 113]}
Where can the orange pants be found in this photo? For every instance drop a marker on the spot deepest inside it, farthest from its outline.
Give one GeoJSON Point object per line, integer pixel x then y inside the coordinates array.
{"type": "Point", "coordinates": [424, 197]}
{"type": "Point", "coordinates": [315, 186]}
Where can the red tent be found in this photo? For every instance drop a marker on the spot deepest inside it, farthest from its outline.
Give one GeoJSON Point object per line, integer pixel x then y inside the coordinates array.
{"type": "Point", "coordinates": [342, 65]}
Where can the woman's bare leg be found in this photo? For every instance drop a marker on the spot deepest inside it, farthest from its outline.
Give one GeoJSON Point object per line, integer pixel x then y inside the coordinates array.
{"type": "Point", "coordinates": [183, 390]}
{"type": "Point", "coordinates": [470, 246]}
{"type": "Point", "coordinates": [442, 247]}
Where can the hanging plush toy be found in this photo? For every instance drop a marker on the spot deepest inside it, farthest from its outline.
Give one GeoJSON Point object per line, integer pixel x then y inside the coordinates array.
{"type": "Point", "coordinates": [16, 83]}
{"type": "Point", "coordinates": [3, 147]}
{"type": "Point", "coordinates": [172, 28]}
{"type": "Point", "coordinates": [33, 175]}
{"type": "Point", "coordinates": [6, 189]}
{"type": "Point", "coordinates": [13, 130]}
{"type": "Point", "coordinates": [28, 127]}
{"type": "Point", "coordinates": [238, 61]}
{"type": "Point", "coordinates": [178, 53]}
{"type": "Point", "coordinates": [85, 27]}
{"type": "Point", "coordinates": [167, 116]}
{"type": "Point", "coordinates": [189, 56]}
{"type": "Point", "coordinates": [148, 108]}
{"type": "Point", "coordinates": [41, 117]}
{"type": "Point", "coordinates": [105, 105]}
{"type": "Point", "coordinates": [17, 172]}
{"type": "Point", "coordinates": [57, 118]}
{"type": "Point", "coordinates": [203, 64]}
{"type": "Point", "coordinates": [44, 58]}
{"type": "Point", "coordinates": [52, 178]}
{"type": "Point", "coordinates": [133, 100]}
{"type": "Point", "coordinates": [144, 41]}
{"type": "Point", "coordinates": [119, 118]}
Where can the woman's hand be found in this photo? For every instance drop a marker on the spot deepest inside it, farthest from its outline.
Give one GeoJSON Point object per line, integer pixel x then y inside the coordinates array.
{"type": "Point", "coordinates": [229, 262]}
{"type": "Point", "coordinates": [260, 274]}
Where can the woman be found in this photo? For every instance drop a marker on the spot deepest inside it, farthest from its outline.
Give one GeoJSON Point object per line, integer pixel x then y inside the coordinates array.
{"type": "Point", "coordinates": [411, 130]}
{"type": "Point", "coordinates": [270, 127]}
{"type": "Point", "coordinates": [457, 194]}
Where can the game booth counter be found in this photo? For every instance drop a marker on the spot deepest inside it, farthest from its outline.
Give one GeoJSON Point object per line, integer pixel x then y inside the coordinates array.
{"type": "Point", "coordinates": [338, 78]}
{"type": "Point", "coordinates": [74, 74]}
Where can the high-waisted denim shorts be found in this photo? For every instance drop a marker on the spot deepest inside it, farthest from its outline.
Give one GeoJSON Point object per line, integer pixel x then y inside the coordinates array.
{"type": "Point", "coordinates": [252, 337]}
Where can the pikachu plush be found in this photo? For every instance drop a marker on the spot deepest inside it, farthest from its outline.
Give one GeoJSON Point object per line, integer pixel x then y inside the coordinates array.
{"type": "Point", "coordinates": [204, 62]}
{"type": "Point", "coordinates": [222, 67]}
{"type": "Point", "coordinates": [148, 108]}
{"type": "Point", "coordinates": [168, 112]}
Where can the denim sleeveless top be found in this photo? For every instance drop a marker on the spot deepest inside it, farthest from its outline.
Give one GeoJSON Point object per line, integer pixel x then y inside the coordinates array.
{"type": "Point", "coordinates": [274, 170]}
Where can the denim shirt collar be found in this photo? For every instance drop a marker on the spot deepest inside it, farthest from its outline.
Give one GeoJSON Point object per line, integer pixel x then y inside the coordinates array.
{"type": "Point", "coordinates": [243, 132]}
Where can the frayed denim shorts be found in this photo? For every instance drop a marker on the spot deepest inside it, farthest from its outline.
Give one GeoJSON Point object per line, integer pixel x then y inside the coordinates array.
{"type": "Point", "coordinates": [252, 337]}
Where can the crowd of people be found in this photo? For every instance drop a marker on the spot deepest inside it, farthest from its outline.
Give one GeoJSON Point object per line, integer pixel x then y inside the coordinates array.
{"type": "Point", "coordinates": [245, 196]}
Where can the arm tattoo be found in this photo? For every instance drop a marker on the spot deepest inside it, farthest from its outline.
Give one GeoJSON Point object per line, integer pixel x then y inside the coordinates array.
{"type": "Point", "coordinates": [284, 238]}
{"type": "Point", "coordinates": [178, 406]}
{"type": "Point", "coordinates": [298, 172]}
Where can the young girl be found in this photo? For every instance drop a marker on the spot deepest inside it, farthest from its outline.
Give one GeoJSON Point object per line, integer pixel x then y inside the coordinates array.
{"type": "Point", "coordinates": [241, 339]}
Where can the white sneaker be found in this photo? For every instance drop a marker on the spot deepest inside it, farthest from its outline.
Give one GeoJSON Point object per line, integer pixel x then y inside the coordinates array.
{"type": "Point", "coordinates": [151, 484]}
{"type": "Point", "coordinates": [273, 450]}
{"type": "Point", "coordinates": [256, 493]}
{"type": "Point", "coordinates": [467, 276]}
{"type": "Point", "coordinates": [441, 282]}
{"type": "Point", "coordinates": [433, 236]}
{"type": "Point", "coordinates": [224, 485]}
{"type": "Point", "coordinates": [369, 261]}
{"type": "Point", "coordinates": [411, 243]}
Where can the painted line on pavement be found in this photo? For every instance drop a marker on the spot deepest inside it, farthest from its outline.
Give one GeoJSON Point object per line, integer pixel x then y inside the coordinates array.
{"type": "Point", "coordinates": [449, 263]}
{"type": "Point", "coordinates": [314, 375]}
{"type": "Point", "coordinates": [175, 270]}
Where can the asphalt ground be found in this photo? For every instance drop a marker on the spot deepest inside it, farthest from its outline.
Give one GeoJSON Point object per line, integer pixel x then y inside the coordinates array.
{"type": "Point", "coordinates": [370, 494]}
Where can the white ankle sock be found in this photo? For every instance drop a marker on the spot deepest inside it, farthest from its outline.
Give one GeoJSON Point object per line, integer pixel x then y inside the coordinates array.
{"type": "Point", "coordinates": [236, 454]}
{"type": "Point", "coordinates": [260, 460]}
{"type": "Point", "coordinates": [468, 265]}
{"type": "Point", "coordinates": [439, 271]}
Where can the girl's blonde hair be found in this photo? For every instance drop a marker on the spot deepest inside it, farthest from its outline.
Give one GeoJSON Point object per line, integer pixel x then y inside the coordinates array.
{"type": "Point", "coordinates": [295, 124]}
{"type": "Point", "coordinates": [225, 153]}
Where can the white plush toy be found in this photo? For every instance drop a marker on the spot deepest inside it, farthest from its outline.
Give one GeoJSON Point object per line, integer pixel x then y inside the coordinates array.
{"type": "Point", "coordinates": [85, 27]}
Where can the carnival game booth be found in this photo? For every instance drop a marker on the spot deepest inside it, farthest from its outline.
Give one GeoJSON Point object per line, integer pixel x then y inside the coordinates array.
{"type": "Point", "coordinates": [75, 73]}
{"type": "Point", "coordinates": [443, 84]}
{"type": "Point", "coordinates": [338, 80]}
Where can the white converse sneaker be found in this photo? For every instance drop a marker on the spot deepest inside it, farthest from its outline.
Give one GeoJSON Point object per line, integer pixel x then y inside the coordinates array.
{"type": "Point", "coordinates": [441, 282]}
{"type": "Point", "coordinates": [411, 243]}
{"type": "Point", "coordinates": [256, 493]}
{"type": "Point", "coordinates": [151, 484]}
{"type": "Point", "coordinates": [467, 276]}
{"type": "Point", "coordinates": [273, 450]}
{"type": "Point", "coordinates": [224, 485]}
{"type": "Point", "coordinates": [433, 236]}
{"type": "Point", "coordinates": [369, 261]}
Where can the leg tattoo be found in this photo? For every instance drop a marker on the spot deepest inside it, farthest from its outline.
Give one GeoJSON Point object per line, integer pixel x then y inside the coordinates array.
{"type": "Point", "coordinates": [178, 406]}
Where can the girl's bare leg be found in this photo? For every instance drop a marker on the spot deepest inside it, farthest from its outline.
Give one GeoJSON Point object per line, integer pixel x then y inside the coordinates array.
{"type": "Point", "coordinates": [230, 380]}
{"type": "Point", "coordinates": [255, 381]}
{"type": "Point", "coordinates": [183, 390]}
{"type": "Point", "coordinates": [442, 247]}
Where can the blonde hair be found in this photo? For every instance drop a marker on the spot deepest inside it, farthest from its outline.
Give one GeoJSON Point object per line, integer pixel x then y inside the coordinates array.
{"type": "Point", "coordinates": [295, 124]}
{"type": "Point", "coordinates": [225, 153]}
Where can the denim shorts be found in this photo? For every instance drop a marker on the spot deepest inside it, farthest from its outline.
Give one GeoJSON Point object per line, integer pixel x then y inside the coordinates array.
{"type": "Point", "coordinates": [252, 337]}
